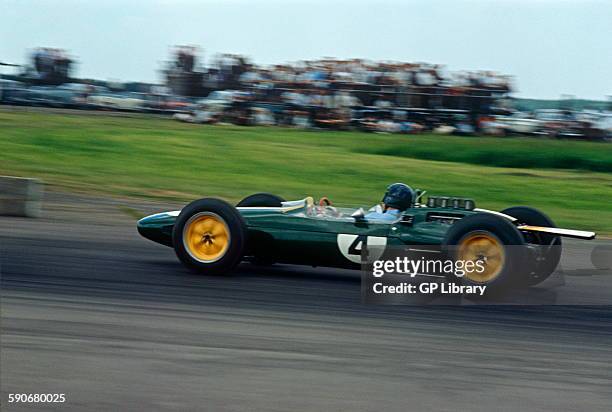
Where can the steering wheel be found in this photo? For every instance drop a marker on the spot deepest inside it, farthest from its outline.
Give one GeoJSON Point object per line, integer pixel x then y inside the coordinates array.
{"type": "Point", "coordinates": [324, 201]}
{"type": "Point", "coordinates": [326, 207]}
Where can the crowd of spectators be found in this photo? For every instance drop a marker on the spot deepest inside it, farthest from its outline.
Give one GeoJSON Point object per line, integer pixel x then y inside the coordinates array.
{"type": "Point", "coordinates": [407, 84]}
{"type": "Point", "coordinates": [333, 92]}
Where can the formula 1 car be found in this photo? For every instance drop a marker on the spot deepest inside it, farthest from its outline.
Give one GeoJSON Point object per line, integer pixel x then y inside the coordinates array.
{"type": "Point", "coordinates": [519, 246]}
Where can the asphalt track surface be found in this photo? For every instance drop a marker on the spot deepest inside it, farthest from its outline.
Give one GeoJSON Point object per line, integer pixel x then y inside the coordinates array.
{"type": "Point", "coordinates": [91, 310]}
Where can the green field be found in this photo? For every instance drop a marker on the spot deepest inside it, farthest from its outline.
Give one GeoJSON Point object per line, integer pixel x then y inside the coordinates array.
{"type": "Point", "coordinates": [528, 153]}
{"type": "Point", "coordinates": [161, 158]}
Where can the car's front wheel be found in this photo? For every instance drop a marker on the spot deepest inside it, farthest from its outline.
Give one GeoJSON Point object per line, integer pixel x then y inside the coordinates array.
{"type": "Point", "coordinates": [209, 236]}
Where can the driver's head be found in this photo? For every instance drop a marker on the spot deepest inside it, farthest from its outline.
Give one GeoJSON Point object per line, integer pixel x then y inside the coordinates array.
{"type": "Point", "coordinates": [398, 196]}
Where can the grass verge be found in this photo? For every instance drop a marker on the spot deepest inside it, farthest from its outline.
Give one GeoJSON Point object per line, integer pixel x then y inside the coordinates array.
{"type": "Point", "coordinates": [159, 158]}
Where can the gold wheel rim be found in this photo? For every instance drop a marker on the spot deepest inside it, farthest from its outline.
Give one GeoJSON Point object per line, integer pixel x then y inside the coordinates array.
{"type": "Point", "coordinates": [206, 237]}
{"type": "Point", "coordinates": [482, 247]}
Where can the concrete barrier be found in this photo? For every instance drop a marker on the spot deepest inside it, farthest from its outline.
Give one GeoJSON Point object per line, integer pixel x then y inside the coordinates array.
{"type": "Point", "coordinates": [20, 196]}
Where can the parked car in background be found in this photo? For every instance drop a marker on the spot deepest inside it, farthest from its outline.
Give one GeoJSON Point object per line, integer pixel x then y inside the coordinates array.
{"type": "Point", "coordinates": [462, 125]}
{"type": "Point", "coordinates": [167, 103]}
{"type": "Point", "coordinates": [491, 126]}
{"type": "Point", "coordinates": [51, 96]}
{"type": "Point", "coordinates": [558, 123]}
{"type": "Point", "coordinates": [519, 123]}
{"type": "Point", "coordinates": [117, 101]}
{"type": "Point", "coordinates": [12, 92]}
{"type": "Point", "coordinates": [216, 107]}
{"type": "Point", "coordinates": [597, 125]}
{"type": "Point", "coordinates": [220, 99]}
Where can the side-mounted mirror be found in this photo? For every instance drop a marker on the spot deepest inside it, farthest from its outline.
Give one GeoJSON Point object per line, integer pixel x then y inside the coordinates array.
{"type": "Point", "coordinates": [358, 215]}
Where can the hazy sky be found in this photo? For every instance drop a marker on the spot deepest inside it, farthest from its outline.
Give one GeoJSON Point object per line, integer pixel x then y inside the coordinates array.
{"type": "Point", "coordinates": [551, 47]}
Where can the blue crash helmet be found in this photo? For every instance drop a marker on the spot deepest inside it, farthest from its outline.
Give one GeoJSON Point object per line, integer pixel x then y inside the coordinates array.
{"type": "Point", "coordinates": [398, 196]}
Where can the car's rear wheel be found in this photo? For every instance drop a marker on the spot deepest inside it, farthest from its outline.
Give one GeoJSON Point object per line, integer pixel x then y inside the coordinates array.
{"type": "Point", "coordinates": [209, 236]}
{"type": "Point", "coordinates": [261, 200]}
{"type": "Point", "coordinates": [550, 252]}
{"type": "Point", "coordinates": [492, 244]}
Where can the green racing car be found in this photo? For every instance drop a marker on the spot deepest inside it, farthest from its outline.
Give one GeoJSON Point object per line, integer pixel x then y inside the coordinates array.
{"type": "Point", "coordinates": [518, 246]}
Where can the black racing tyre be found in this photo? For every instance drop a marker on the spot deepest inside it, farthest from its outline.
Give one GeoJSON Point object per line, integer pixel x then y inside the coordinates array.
{"type": "Point", "coordinates": [494, 243]}
{"type": "Point", "coordinates": [209, 236]}
{"type": "Point", "coordinates": [261, 200]}
{"type": "Point", "coordinates": [550, 254]}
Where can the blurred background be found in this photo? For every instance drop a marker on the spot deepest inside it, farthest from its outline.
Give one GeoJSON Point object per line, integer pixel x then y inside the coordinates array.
{"type": "Point", "coordinates": [509, 68]}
